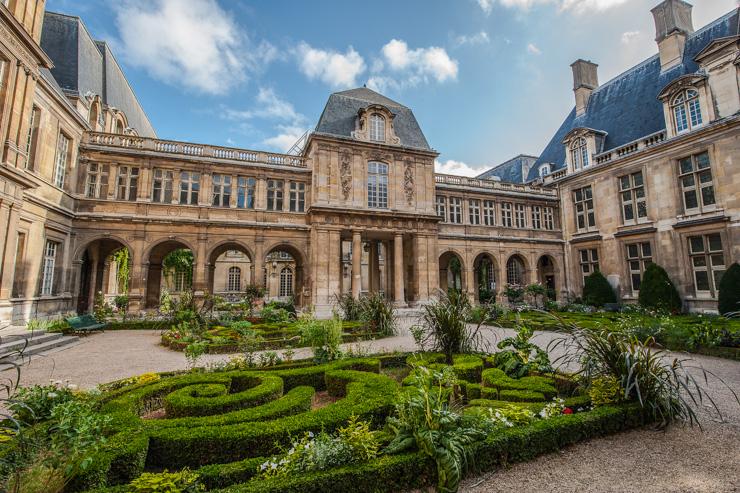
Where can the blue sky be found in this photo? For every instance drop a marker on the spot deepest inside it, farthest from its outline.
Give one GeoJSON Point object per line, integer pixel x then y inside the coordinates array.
{"type": "Point", "coordinates": [487, 79]}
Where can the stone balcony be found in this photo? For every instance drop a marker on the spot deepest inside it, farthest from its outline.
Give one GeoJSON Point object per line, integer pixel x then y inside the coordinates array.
{"type": "Point", "coordinates": [478, 184]}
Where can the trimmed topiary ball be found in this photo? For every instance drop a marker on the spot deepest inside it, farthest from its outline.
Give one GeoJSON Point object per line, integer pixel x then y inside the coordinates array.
{"type": "Point", "coordinates": [657, 291]}
{"type": "Point", "coordinates": [729, 290]}
{"type": "Point", "coordinates": [597, 291]}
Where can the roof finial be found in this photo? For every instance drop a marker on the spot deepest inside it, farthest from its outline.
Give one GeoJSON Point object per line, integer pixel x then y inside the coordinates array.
{"type": "Point", "coordinates": [364, 85]}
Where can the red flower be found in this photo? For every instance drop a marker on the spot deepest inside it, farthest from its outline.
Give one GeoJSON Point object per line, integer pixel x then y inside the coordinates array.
{"type": "Point", "coordinates": [567, 410]}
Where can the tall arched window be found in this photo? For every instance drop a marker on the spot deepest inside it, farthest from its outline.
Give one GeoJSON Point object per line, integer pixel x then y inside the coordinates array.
{"type": "Point", "coordinates": [579, 153]}
{"type": "Point", "coordinates": [544, 170]}
{"type": "Point", "coordinates": [515, 271]}
{"type": "Point", "coordinates": [377, 127]}
{"type": "Point", "coordinates": [286, 282]}
{"type": "Point", "coordinates": [686, 110]}
{"type": "Point", "coordinates": [234, 279]}
{"type": "Point", "coordinates": [377, 185]}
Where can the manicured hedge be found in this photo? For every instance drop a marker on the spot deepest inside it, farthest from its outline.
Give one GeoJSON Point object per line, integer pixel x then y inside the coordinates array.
{"type": "Point", "coordinates": [209, 399]}
{"type": "Point", "coordinates": [495, 378]}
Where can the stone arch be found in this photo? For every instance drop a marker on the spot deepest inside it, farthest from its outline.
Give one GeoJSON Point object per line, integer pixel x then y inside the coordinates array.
{"type": "Point", "coordinates": [273, 267]}
{"type": "Point", "coordinates": [450, 276]}
{"type": "Point", "coordinates": [517, 270]}
{"type": "Point", "coordinates": [218, 266]}
{"type": "Point", "coordinates": [547, 275]}
{"type": "Point", "coordinates": [99, 272]}
{"type": "Point", "coordinates": [486, 276]}
{"type": "Point", "coordinates": [155, 254]}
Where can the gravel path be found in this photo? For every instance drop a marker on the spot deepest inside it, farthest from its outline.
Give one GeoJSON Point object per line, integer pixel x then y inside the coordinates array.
{"type": "Point", "coordinates": [679, 460]}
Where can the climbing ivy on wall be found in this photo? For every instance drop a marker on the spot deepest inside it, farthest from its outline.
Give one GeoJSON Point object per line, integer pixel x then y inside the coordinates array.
{"type": "Point", "coordinates": [123, 261]}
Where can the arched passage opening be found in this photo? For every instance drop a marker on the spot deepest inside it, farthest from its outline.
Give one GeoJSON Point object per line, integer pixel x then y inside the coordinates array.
{"type": "Point", "coordinates": [105, 269]}
{"type": "Point", "coordinates": [283, 274]}
{"type": "Point", "coordinates": [516, 278]}
{"type": "Point", "coordinates": [450, 272]}
{"type": "Point", "coordinates": [230, 271]}
{"type": "Point", "coordinates": [170, 269]}
{"type": "Point", "coordinates": [546, 275]}
{"type": "Point", "coordinates": [485, 278]}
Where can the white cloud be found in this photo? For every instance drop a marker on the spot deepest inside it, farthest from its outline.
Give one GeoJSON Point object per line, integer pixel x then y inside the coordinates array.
{"type": "Point", "coordinates": [196, 44]}
{"type": "Point", "coordinates": [473, 39]}
{"type": "Point", "coordinates": [286, 137]}
{"type": "Point", "coordinates": [628, 36]}
{"type": "Point", "coordinates": [486, 6]}
{"type": "Point", "coordinates": [420, 64]}
{"type": "Point", "coordinates": [452, 167]}
{"type": "Point", "coordinates": [532, 48]}
{"type": "Point", "coordinates": [338, 70]}
{"type": "Point", "coordinates": [579, 6]}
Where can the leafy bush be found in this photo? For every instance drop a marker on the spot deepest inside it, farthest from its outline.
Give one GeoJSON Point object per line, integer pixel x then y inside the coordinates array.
{"type": "Point", "coordinates": [378, 313]}
{"type": "Point", "coordinates": [121, 302]}
{"type": "Point", "coordinates": [657, 290]}
{"type": "Point", "coordinates": [427, 418]}
{"type": "Point", "coordinates": [597, 291]}
{"type": "Point", "coordinates": [445, 326]}
{"type": "Point", "coordinates": [349, 306]}
{"type": "Point", "coordinates": [729, 290]}
{"type": "Point", "coordinates": [183, 481]}
{"type": "Point", "coordinates": [605, 390]}
{"type": "Point", "coordinates": [33, 404]}
{"type": "Point", "coordinates": [272, 314]}
{"type": "Point", "coordinates": [519, 356]}
{"type": "Point", "coordinates": [324, 337]}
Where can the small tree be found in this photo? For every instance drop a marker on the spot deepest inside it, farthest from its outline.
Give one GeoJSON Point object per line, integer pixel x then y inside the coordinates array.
{"type": "Point", "coordinates": [597, 291]}
{"type": "Point", "coordinates": [729, 290]}
{"type": "Point", "coordinates": [657, 291]}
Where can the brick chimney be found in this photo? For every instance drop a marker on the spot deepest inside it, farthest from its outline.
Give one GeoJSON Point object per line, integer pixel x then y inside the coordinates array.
{"type": "Point", "coordinates": [672, 26]}
{"type": "Point", "coordinates": [585, 80]}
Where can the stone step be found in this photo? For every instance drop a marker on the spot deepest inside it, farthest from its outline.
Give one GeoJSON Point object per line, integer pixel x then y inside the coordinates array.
{"type": "Point", "coordinates": [40, 345]}
{"type": "Point", "coordinates": [16, 342]}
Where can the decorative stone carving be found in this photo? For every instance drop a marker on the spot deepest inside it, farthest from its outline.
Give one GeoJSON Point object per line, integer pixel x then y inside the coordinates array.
{"type": "Point", "coordinates": [345, 173]}
{"type": "Point", "coordinates": [408, 181]}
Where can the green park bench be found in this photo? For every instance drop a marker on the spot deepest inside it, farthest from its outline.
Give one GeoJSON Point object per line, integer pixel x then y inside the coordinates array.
{"type": "Point", "coordinates": [85, 323]}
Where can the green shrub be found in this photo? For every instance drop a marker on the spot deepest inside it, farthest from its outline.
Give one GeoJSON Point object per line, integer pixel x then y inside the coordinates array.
{"type": "Point", "coordinates": [378, 313]}
{"type": "Point", "coordinates": [519, 357]}
{"type": "Point", "coordinates": [605, 390]}
{"type": "Point", "coordinates": [349, 306]}
{"type": "Point", "coordinates": [657, 290]}
{"type": "Point", "coordinates": [729, 290]}
{"type": "Point", "coordinates": [597, 291]}
{"type": "Point", "coordinates": [495, 378]}
{"type": "Point", "coordinates": [183, 481]}
{"type": "Point", "coordinates": [324, 337]}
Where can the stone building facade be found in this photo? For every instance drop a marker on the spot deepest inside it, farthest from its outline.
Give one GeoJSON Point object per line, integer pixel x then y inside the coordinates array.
{"type": "Point", "coordinates": [360, 208]}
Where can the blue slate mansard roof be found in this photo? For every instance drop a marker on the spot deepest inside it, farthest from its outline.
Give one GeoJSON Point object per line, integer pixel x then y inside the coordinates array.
{"type": "Point", "coordinates": [627, 107]}
{"type": "Point", "coordinates": [340, 112]}
{"type": "Point", "coordinates": [512, 171]}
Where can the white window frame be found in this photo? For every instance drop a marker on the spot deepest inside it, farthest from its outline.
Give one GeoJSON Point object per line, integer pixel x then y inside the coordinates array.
{"type": "Point", "coordinates": [638, 256]}
{"type": "Point", "coordinates": [697, 179]}
{"type": "Point", "coordinates": [686, 111]}
{"type": "Point", "coordinates": [47, 274]}
{"type": "Point", "coordinates": [507, 219]}
{"type": "Point", "coordinates": [62, 158]}
{"type": "Point", "coordinates": [441, 205]}
{"type": "Point", "coordinates": [711, 260]}
{"type": "Point", "coordinates": [583, 206]}
{"type": "Point", "coordinates": [377, 127]}
{"type": "Point", "coordinates": [377, 185]}
{"type": "Point", "coordinates": [536, 217]}
{"type": "Point", "coordinates": [162, 185]}
{"type": "Point", "coordinates": [234, 279]}
{"type": "Point", "coordinates": [633, 197]}
{"type": "Point", "coordinates": [489, 212]}
{"type": "Point", "coordinates": [588, 259]}
{"type": "Point", "coordinates": [189, 187]}
{"type": "Point", "coordinates": [297, 196]}
{"type": "Point", "coordinates": [549, 218]}
{"type": "Point", "coordinates": [275, 192]}
{"type": "Point", "coordinates": [579, 153]}
{"type": "Point", "coordinates": [127, 183]}
{"type": "Point", "coordinates": [515, 271]}
{"type": "Point", "coordinates": [286, 282]}
{"type": "Point", "coordinates": [474, 212]}
{"type": "Point", "coordinates": [455, 210]}
{"type": "Point", "coordinates": [96, 182]}
{"type": "Point", "coordinates": [520, 215]}
{"type": "Point", "coordinates": [221, 187]}
{"type": "Point", "coordinates": [246, 187]}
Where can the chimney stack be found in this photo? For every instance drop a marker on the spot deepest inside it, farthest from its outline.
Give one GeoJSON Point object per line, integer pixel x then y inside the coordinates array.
{"type": "Point", "coordinates": [585, 80]}
{"type": "Point", "coordinates": [672, 26]}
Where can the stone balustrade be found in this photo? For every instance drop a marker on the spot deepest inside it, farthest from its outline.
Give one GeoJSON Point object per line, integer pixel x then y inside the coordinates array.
{"type": "Point", "coordinates": [464, 181]}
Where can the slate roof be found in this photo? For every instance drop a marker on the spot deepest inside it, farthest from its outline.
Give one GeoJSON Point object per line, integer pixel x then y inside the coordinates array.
{"type": "Point", "coordinates": [627, 107]}
{"type": "Point", "coordinates": [511, 171]}
{"type": "Point", "coordinates": [83, 65]}
{"type": "Point", "coordinates": [340, 112]}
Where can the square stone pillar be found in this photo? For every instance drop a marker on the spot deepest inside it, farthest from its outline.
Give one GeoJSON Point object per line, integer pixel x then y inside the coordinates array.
{"type": "Point", "coordinates": [398, 284]}
{"type": "Point", "coordinates": [356, 264]}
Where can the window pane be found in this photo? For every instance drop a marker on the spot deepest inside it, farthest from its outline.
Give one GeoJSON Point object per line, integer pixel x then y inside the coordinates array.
{"type": "Point", "coordinates": [702, 160]}
{"type": "Point", "coordinates": [646, 250]}
{"type": "Point", "coordinates": [696, 243]}
{"type": "Point", "coordinates": [632, 251]}
{"type": "Point", "coordinates": [641, 209]}
{"type": "Point", "coordinates": [705, 177]}
{"type": "Point", "coordinates": [702, 280]}
{"type": "Point", "coordinates": [718, 260]}
{"type": "Point", "coordinates": [700, 261]}
{"type": "Point", "coordinates": [686, 165]}
{"type": "Point", "coordinates": [636, 282]}
{"type": "Point", "coordinates": [691, 200]}
{"type": "Point", "coordinates": [637, 179]}
{"type": "Point", "coordinates": [707, 195]}
{"type": "Point", "coordinates": [594, 255]}
{"type": "Point", "coordinates": [688, 181]}
{"type": "Point", "coordinates": [628, 212]}
{"type": "Point", "coordinates": [715, 242]}
{"type": "Point", "coordinates": [624, 182]}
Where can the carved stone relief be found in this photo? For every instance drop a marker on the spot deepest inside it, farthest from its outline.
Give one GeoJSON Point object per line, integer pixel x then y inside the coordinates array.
{"type": "Point", "coordinates": [346, 173]}
{"type": "Point", "coordinates": [408, 181]}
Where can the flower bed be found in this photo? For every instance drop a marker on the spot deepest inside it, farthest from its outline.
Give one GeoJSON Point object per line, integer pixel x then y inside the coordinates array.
{"type": "Point", "coordinates": [275, 335]}
{"type": "Point", "coordinates": [226, 425]}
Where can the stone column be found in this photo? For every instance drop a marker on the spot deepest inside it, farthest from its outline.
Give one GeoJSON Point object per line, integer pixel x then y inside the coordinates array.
{"type": "Point", "coordinates": [199, 277]}
{"type": "Point", "coordinates": [94, 261]}
{"type": "Point", "coordinates": [137, 276]}
{"type": "Point", "coordinates": [373, 270]}
{"type": "Point", "coordinates": [356, 264]}
{"type": "Point", "coordinates": [398, 291]}
{"type": "Point", "coordinates": [9, 251]}
{"type": "Point", "coordinates": [258, 262]}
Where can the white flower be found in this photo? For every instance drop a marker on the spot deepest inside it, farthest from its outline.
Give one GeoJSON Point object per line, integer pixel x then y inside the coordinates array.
{"type": "Point", "coordinates": [306, 446]}
{"type": "Point", "coordinates": [263, 466]}
{"type": "Point", "coordinates": [291, 451]}
{"type": "Point", "coordinates": [52, 395]}
{"type": "Point", "coordinates": [72, 386]}
{"type": "Point", "coordinates": [273, 465]}
{"type": "Point", "coordinates": [310, 434]}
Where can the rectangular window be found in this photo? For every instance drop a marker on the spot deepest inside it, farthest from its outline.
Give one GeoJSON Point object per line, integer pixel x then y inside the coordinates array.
{"type": "Point", "coordinates": [589, 259]}
{"type": "Point", "coordinates": [245, 192]}
{"type": "Point", "coordinates": [297, 196]}
{"type": "Point", "coordinates": [162, 180]}
{"type": "Point", "coordinates": [377, 185]}
{"type": "Point", "coordinates": [697, 185]}
{"type": "Point", "coordinates": [639, 256]}
{"type": "Point", "coordinates": [536, 217]}
{"type": "Point", "coordinates": [506, 218]}
{"type": "Point", "coordinates": [489, 213]}
{"type": "Point", "coordinates": [583, 202]}
{"type": "Point", "coordinates": [33, 130]}
{"type": "Point", "coordinates": [707, 262]}
{"type": "Point", "coordinates": [96, 184]}
{"type": "Point", "coordinates": [49, 267]}
{"type": "Point", "coordinates": [474, 211]}
{"type": "Point", "coordinates": [127, 185]}
{"type": "Point", "coordinates": [62, 158]}
{"type": "Point", "coordinates": [442, 207]}
{"type": "Point", "coordinates": [221, 190]}
{"type": "Point", "coordinates": [632, 195]}
{"type": "Point", "coordinates": [520, 216]}
{"type": "Point", "coordinates": [549, 217]}
{"type": "Point", "coordinates": [189, 187]}
{"type": "Point", "coordinates": [274, 195]}
{"type": "Point", "coordinates": [456, 210]}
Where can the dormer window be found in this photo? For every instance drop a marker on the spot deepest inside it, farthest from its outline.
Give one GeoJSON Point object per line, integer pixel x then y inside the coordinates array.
{"type": "Point", "coordinates": [544, 170]}
{"type": "Point", "coordinates": [579, 153]}
{"type": "Point", "coordinates": [686, 110]}
{"type": "Point", "coordinates": [377, 127]}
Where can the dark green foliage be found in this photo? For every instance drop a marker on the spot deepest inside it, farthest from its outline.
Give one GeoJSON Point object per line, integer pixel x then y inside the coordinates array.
{"type": "Point", "coordinates": [495, 378]}
{"type": "Point", "coordinates": [379, 314]}
{"type": "Point", "coordinates": [349, 307]}
{"type": "Point", "coordinates": [519, 356]}
{"type": "Point", "coordinates": [597, 291]}
{"type": "Point", "coordinates": [729, 290]}
{"type": "Point", "coordinates": [657, 290]}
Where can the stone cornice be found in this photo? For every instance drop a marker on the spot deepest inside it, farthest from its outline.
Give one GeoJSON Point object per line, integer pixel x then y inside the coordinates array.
{"type": "Point", "coordinates": [15, 35]}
